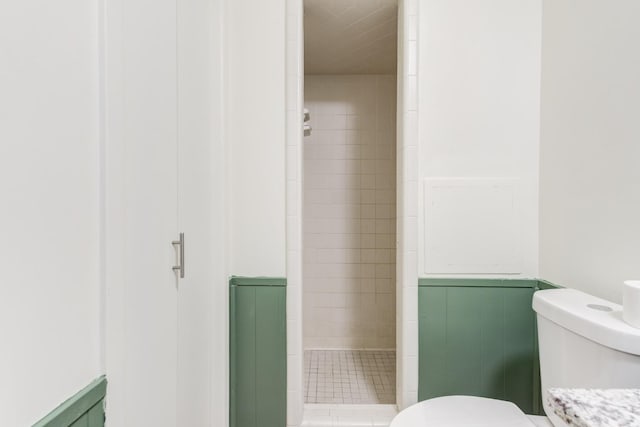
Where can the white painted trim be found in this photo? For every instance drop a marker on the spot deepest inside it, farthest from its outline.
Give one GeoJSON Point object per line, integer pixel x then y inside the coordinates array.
{"type": "Point", "coordinates": [114, 211]}
{"type": "Point", "coordinates": [348, 349]}
{"type": "Point", "coordinates": [294, 79]}
{"type": "Point", "coordinates": [407, 207]}
{"type": "Point", "coordinates": [219, 378]}
{"type": "Point", "coordinates": [102, 122]}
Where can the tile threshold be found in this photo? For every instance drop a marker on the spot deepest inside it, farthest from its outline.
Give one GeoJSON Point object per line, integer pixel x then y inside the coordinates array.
{"type": "Point", "coordinates": [348, 415]}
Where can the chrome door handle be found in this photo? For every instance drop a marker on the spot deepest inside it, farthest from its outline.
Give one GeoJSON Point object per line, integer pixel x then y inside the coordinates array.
{"type": "Point", "coordinates": [180, 266]}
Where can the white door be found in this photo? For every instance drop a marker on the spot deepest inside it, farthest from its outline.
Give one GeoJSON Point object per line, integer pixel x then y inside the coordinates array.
{"type": "Point", "coordinates": [160, 180]}
{"type": "Point", "coordinates": [142, 215]}
{"type": "Point", "coordinates": [202, 297]}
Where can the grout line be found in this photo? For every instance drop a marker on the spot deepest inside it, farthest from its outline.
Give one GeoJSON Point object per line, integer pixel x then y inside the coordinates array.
{"type": "Point", "coordinates": [350, 377]}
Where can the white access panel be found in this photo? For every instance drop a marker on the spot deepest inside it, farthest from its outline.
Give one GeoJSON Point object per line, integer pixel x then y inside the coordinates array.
{"type": "Point", "coordinates": [472, 226]}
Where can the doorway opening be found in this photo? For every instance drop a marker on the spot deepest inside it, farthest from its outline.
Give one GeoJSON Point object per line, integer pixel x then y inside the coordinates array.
{"type": "Point", "coordinates": [349, 202]}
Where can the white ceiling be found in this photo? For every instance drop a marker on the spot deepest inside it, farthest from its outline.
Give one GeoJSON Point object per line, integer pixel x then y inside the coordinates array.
{"type": "Point", "coordinates": [350, 36]}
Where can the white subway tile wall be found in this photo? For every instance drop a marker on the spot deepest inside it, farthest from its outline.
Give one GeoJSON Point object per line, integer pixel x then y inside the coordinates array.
{"type": "Point", "coordinates": [349, 212]}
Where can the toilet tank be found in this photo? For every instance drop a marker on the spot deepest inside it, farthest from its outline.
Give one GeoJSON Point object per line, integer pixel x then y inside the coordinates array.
{"type": "Point", "coordinates": [584, 343]}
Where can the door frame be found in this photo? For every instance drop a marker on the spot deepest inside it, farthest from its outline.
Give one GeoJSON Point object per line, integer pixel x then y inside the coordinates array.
{"type": "Point", "coordinates": [407, 207]}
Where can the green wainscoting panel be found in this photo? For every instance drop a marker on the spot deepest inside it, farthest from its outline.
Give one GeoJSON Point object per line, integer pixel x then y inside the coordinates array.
{"type": "Point", "coordinates": [258, 352]}
{"type": "Point", "coordinates": [477, 339]}
{"type": "Point", "coordinates": [258, 281]}
{"type": "Point", "coordinates": [479, 283]}
{"type": "Point", "coordinates": [85, 409]}
{"type": "Point", "coordinates": [545, 284]}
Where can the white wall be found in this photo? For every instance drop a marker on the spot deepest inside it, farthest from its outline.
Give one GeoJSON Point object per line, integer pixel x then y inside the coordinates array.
{"type": "Point", "coordinates": [49, 184]}
{"type": "Point", "coordinates": [349, 210]}
{"type": "Point", "coordinates": [590, 145]}
{"type": "Point", "coordinates": [255, 135]}
{"type": "Point", "coordinates": [479, 82]}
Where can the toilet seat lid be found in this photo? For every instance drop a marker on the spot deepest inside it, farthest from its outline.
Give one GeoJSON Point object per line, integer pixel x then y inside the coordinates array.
{"type": "Point", "coordinates": [462, 411]}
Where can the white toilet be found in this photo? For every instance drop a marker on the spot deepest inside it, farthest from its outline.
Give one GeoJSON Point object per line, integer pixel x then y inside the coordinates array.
{"type": "Point", "coordinates": [584, 343]}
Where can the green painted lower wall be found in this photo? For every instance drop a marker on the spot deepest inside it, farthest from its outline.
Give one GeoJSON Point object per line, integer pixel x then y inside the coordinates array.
{"type": "Point", "coordinates": [478, 283]}
{"type": "Point", "coordinates": [258, 352]}
{"type": "Point", "coordinates": [84, 409]}
{"type": "Point", "coordinates": [545, 284]}
{"type": "Point", "coordinates": [478, 337]}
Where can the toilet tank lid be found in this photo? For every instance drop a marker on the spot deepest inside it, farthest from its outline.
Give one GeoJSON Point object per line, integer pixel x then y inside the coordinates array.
{"type": "Point", "coordinates": [591, 317]}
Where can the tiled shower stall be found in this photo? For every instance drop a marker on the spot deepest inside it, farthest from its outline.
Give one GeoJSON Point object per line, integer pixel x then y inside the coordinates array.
{"type": "Point", "coordinates": [390, 289]}
{"type": "Point", "coordinates": [349, 221]}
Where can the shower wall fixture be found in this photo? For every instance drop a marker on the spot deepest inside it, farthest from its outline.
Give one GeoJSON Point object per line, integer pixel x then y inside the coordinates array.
{"type": "Point", "coordinates": [307, 123]}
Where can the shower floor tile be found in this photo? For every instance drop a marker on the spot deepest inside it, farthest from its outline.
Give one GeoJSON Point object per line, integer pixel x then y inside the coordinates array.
{"type": "Point", "coordinates": [350, 376]}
